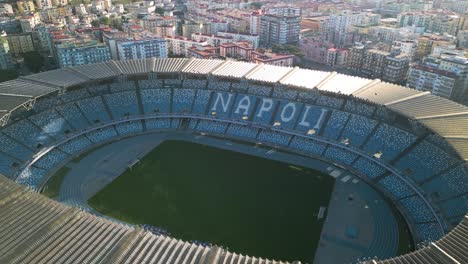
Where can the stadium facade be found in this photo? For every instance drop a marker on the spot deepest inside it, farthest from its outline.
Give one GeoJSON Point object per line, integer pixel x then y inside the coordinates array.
{"type": "Point", "coordinates": [410, 145]}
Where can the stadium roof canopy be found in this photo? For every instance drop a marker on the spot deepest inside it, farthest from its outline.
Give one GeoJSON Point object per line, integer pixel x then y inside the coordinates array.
{"type": "Point", "coordinates": [445, 117]}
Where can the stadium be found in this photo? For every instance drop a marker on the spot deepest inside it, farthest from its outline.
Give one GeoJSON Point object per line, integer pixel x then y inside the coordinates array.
{"type": "Point", "coordinates": [381, 146]}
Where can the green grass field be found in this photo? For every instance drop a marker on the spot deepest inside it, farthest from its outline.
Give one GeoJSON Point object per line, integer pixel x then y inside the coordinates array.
{"type": "Point", "coordinates": [251, 205]}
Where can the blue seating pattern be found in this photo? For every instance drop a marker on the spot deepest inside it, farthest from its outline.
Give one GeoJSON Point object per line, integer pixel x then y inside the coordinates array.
{"type": "Point", "coordinates": [211, 127]}
{"type": "Point", "coordinates": [359, 108]}
{"type": "Point", "coordinates": [266, 117]}
{"type": "Point", "coordinates": [150, 84]}
{"type": "Point", "coordinates": [240, 86]}
{"type": "Point", "coordinates": [160, 123]}
{"type": "Point", "coordinates": [194, 84]}
{"type": "Point", "coordinates": [156, 100]}
{"type": "Point", "coordinates": [329, 101]}
{"type": "Point", "coordinates": [424, 161]}
{"type": "Point", "coordinates": [309, 96]}
{"type": "Point", "coordinates": [368, 168]}
{"type": "Point", "coordinates": [193, 124]}
{"type": "Point", "coordinates": [93, 108]}
{"type": "Point", "coordinates": [46, 103]}
{"type": "Point", "coordinates": [51, 159]}
{"type": "Point", "coordinates": [98, 89]}
{"type": "Point", "coordinates": [6, 165]}
{"type": "Point", "coordinates": [102, 134]}
{"type": "Point", "coordinates": [122, 104]}
{"type": "Point", "coordinates": [390, 140]}
{"type": "Point", "coordinates": [8, 145]}
{"type": "Point", "coordinates": [219, 85]}
{"type": "Point", "coordinates": [122, 86]}
{"type": "Point", "coordinates": [73, 115]}
{"type": "Point", "coordinates": [75, 95]}
{"type": "Point", "coordinates": [284, 93]}
{"type": "Point", "coordinates": [175, 123]}
{"type": "Point", "coordinates": [201, 101]}
{"type": "Point", "coordinates": [454, 182]}
{"type": "Point", "coordinates": [358, 129]}
{"type": "Point", "coordinates": [274, 137]}
{"type": "Point", "coordinates": [428, 231]}
{"type": "Point", "coordinates": [439, 141]}
{"type": "Point", "coordinates": [385, 114]}
{"type": "Point", "coordinates": [308, 145]}
{"type": "Point", "coordinates": [395, 186]}
{"type": "Point", "coordinates": [290, 113]}
{"type": "Point", "coordinates": [31, 177]}
{"type": "Point", "coordinates": [172, 83]}
{"type": "Point", "coordinates": [335, 124]}
{"type": "Point", "coordinates": [242, 131]}
{"type": "Point", "coordinates": [76, 145]}
{"type": "Point", "coordinates": [129, 127]}
{"type": "Point", "coordinates": [25, 132]}
{"type": "Point", "coordinates": [182, 100]}
{"type": "Point", "coordinates": [417, 208]}
{"type": "Point", "coordinates": [338, 154]}
{"type": "Point", "coordinates": [456, 206]}
{"type": "Point", "coordinates": [51, 122]}
{"type": "Point", "coordinates": [259, 90]}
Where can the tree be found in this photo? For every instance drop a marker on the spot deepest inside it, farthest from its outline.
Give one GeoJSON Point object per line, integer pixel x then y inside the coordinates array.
{"type": "Point", "coordinates": [33, 60]}
{"type": "Point", "coordinates": [256, 5]}
{"type": "Point", "coordinates": [95, 23]}
{"type": "Point", "coordinates": [6, 75]}
{"type": "Point", "coordinates": [159, 10]}
{"type": "Point", "coordinates": [288, 49]}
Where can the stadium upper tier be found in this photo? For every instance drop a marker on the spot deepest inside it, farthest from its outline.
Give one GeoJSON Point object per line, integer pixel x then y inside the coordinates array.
{"type": "Point", "coordinates": [410, 145]}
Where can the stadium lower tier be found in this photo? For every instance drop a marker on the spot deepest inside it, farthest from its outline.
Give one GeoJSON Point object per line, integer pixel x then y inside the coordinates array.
{"type": "Point", "coordinates": [404, 165]}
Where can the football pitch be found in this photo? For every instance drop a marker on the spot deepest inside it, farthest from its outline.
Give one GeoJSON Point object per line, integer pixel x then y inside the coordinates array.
{"type": "Point", "coordinates": [247, 204]}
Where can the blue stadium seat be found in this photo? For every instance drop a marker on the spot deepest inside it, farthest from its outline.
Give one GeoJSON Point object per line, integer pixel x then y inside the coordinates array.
{"type": "Point", "coordinates": [338, 154]}
{"type": "Point", "coordinates": [395, 186]}
{"type": "Point", "coordinates": [73, 115]}
{"type": "Point", "coordinates": [76, 145]}
{"type": "Point", "coordinates": [15, 149]}
{"type": "Point", "coordinates": [25, 132]}
{"type": "Point", "coordinates": [284, 93]}
{"type": "Point", "coordinates": [424, 160]}
{"type": "Point", "coordinates": [219, 85]}
{"type": "Point", "coordinates": [102, 134]}
{"type": "Point", "coordinates": [182, 100]}
{"type": "Point", "coordinates": [288, 111]}
{"type": "Point", "coordinates": [31, 177]}
{"type": "Point", "coordinates": [259, 90]}
{"type": "Point", "coordinates": [122, 86]}
{"type": "Point", "coordinates": [358, 129]}
{"type": "Point", "coordinates": [150, 84]}
{"type": "Point", "coordinates": [75, 95]}
{"type": "Point", "coordinates": [211, 126]}
{"type": "Point", "coordinates": [129, 127]}
{"type": "Point", "coordinates": [417, 209]}
{"type": "Point", "coordinates": [52, 123]}
{"type": "Point", "coordinates": [242, 131]}
{"type": "Point", "coordinates": [6, 165]}
{"type": "Point", "coordinates": [274, 137]}
{"type": "Point", "coordinates": [329, 101]}
{"type": "Point", "coordinates": [99, 89]}
{"type": "Point", "coordinates": [359, 108]}
{"type": "Point", "coordinates": [194, 84]}
{"type": "Point", "coordinates": [93, 108]}
{"type": "Point", "coordinates": [122, 104]}
{"type": "Point", "coordinates": [156, 100]}
{"type": "Point", "coordinates": [243, 107]}
{"type": "Point", "coordinates": [265, 117]}
{"type": "Point", "coordinates": [368, 168]}
{"type": "Point", "coordinates": [335, 124]}
{"type": "Point", "coordinates": [46, 103]}
{"type": "Point", "coordinates": [428, 231]}
{"type": "Point", "coordinates": [308, 145]}
{"type": "Point", "coordinates": [156, 124]}
{"type": "Point", "coordinates": [175, 123]}
{"type": "Point", "coordinates": [201, 102]}
{"type": "Point", "coordinates": [391, 141]}
{"type": "Point", "coordinates": [51, 160]}
{"type": "Point", "coordinates": [457, 206]}
{"type": "Point", "coordinates": [454, 181]}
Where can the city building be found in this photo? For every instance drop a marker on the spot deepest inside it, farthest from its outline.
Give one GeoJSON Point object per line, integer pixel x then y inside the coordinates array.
{"type": "Point", "coordinates": [21, 43]}
{"type": "Point", "coordinates": [29, 22]}
{"type": "Point", "coordinates": [145, 46]}
{"type": "Point", "coordinates": [179, 46]}
{"type": "Point", "coordinates": [25, 6]}
{"type": "Point", "coordinates": [280, 27]}
{"type": "Point", "coordinates": [286, 60]}
{"type": "Point", "coordinates": [80, 52]}
{"type": "Point", "coordinates": [6, 61]}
